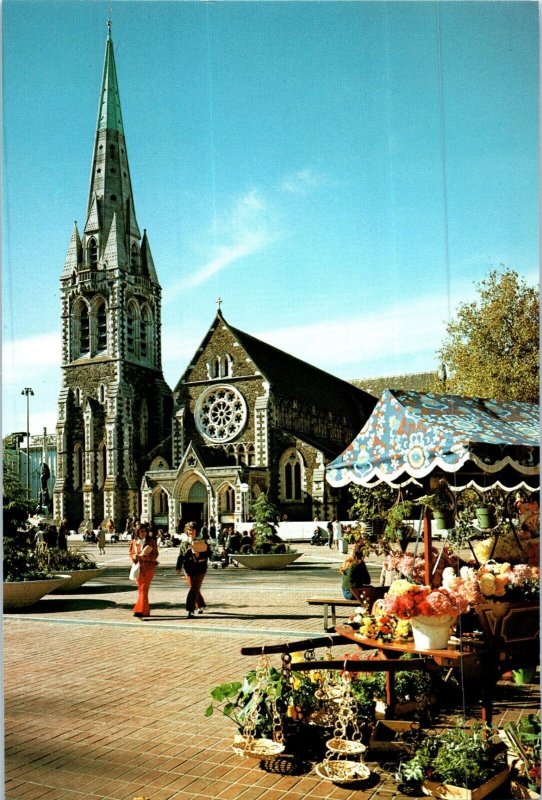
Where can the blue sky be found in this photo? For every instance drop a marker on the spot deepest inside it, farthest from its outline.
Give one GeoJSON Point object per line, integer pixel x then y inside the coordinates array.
{"type": "Point", "coordinates": [339, 173]}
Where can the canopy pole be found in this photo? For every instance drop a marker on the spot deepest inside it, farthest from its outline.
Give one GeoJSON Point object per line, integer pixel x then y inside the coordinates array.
{"type": "Point", "coordinates": [427, 547]}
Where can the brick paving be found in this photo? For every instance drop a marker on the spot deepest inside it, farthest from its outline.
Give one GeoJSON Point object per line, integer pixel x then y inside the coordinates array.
{"type": "Point", "coordinates": [101, 705]}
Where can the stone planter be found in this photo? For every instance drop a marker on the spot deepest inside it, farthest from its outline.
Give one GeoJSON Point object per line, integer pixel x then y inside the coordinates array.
{"type": "Point", "coordinates": [447, 791]}
{"type": "Point", "coordinates": [21, 594]}
{"type": "Point", "coordinates": [266, 560]}
{"type": "Point", "coordinates": [77, 578]}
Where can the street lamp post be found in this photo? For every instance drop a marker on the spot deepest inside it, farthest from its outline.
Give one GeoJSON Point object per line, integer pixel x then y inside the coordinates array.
{"type": "Point", "coordinates": [28, 392]}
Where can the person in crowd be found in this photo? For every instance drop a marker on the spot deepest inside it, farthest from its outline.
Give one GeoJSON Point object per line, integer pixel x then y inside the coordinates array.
{"type": "Point", "coordinates": [337, 533]}
{"type": "Point", "coordinates": [50, 536]}
{"type": "Point", "coordinates": [193, 558]}
{"type": "Point", "coordinates": [144, 551]}
{"type": "Point", "coordinates": [233, 543]}
{"type": "Point", "coordinates": [246, 543]}
{"type": "Point", "coordinates": [204, 533]}
{"type": "Point", "coordinates": [329, 528]}
{"type": "Point", "coordinates": [101, 541]}
{"type": "Point", "coordinates": [62, 541]}
{"type": "Point", "coordinates": [355, 575]}
{"type": "Point", "coordinates": [212, 528]}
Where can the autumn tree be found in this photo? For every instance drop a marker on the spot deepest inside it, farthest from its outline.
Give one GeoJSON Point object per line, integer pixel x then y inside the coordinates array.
{"type": "Point", "coordinates": [492, 346]}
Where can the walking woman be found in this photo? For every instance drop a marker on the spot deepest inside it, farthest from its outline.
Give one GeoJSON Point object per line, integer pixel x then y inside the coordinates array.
{"type": "Point", "coordinates": [194, 557]}
{"type": "Point", "coordinates": [144, 551]}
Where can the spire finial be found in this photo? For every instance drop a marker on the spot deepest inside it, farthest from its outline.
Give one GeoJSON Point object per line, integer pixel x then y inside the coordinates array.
{"type": "Point", "coordinates": [109, 23]}
{"type": "Point", "coordinates": [219, 302]}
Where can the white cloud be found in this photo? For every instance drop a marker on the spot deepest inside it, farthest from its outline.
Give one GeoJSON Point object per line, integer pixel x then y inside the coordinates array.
{"type": "Point", "coordinates": [302, 181]}
{"type": "Point", "coordinates": [246, 229]}
{"type": "Point", "coordinates": [26, 359]}
{"type": "Point", "coordinates": [403, 331]}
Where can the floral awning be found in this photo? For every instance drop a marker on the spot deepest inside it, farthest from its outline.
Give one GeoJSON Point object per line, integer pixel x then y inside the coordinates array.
{"type": "Point", "coordinates": [410, 435]}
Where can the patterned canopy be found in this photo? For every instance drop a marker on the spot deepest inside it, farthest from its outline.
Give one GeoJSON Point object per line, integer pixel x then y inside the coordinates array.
{"type": "Point", "coordinates": [410, 435]}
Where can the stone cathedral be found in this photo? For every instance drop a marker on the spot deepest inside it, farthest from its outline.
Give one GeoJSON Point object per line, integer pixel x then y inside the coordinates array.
{"type": "Point", "coordinates": [244, 417]}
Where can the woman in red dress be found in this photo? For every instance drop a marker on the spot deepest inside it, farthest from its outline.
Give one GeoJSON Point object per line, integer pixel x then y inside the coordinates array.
{"type": "Point", "coordinates": [144, 551]}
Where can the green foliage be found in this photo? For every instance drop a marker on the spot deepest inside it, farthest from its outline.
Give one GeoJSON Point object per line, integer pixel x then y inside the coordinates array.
{"type": "Point", "coordinates": [441, 499]}
{"type": "Point", "coordinates": [524, 740]}
{"type": "Point", "coordinates": [236, 700]}
{"type": "Point", "coordinates": [22, 562]}
{"type": "Point", "coordinates": [66, 560]}
{"type": "Point", "coordinates": [16, 507]}
{"type": "Point", "coordinates": [371, 503]}
{"type": "Point", "coordinates": [460, 756]}
{"type": "Point", "coordinates": [385, 513]}
{"type": "Point", "coordinates": [492, 346]}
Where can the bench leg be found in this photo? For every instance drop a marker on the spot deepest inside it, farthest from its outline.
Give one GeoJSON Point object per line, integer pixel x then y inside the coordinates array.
{"type": "Point", "coordinates": [325, 617]}
{"type": "Point", "coordinates": [333, 616]}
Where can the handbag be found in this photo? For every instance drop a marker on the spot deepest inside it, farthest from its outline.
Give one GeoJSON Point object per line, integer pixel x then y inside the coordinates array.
{"type": "Point", "coordinates": [134, 572]}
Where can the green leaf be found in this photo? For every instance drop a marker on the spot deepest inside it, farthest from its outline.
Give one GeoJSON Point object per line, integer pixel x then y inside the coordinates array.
{"type": "Point", "coordinates": [209, 711]}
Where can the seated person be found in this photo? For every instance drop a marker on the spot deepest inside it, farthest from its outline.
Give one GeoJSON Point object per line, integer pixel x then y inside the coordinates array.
{"type": "Point", "coordinates": [355, 575]}
{"type": "Point", "coordinates": [234, 542]}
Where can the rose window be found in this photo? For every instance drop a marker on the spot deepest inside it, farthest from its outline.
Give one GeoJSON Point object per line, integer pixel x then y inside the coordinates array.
{"type": "Point", "coordinates": [221, 413]}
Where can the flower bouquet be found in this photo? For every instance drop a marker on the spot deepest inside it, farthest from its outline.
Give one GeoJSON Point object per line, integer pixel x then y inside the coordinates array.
{"type": "Point", "coordinates": [380, 625]}
{"type": "Point", "coordinates": [430, 611]}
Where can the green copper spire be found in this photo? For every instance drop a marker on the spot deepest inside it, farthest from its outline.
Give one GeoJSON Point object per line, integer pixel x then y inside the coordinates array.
{"type": "Point", "coordinates": [110, 195]}
{"type": "Point", "coordinates": [109, 115]}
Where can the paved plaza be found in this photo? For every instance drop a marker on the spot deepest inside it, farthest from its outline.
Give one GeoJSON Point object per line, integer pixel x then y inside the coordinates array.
{"type": "Point", "coordinates": [101, 705]}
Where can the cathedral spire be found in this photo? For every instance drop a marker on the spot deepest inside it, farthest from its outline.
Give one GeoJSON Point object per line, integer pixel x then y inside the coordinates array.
{"type": "Point", "coordinates": [110, 193]}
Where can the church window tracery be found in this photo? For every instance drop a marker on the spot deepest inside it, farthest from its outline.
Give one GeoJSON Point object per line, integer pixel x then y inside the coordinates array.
{"type": "Point", "coordinates": [101, 327]}
{"type": "Point", "coordinates": [291, 472]}
{"type": "Point", "coordinates": [226, 499]}
{"type": "Point", "coordinates": [92, 253]}
{"type": "Point", "coordinates": [220, 413]}
{"type": "Point", "coordinates": [131, 319]}
{"type": "Point", "coordinates": [81, 329]}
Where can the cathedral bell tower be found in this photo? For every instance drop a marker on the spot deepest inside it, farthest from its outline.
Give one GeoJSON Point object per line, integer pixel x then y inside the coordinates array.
{"type": "Point", "coordinates": [114, 407]}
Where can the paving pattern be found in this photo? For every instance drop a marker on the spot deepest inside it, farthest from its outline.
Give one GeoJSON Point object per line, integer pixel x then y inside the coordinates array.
{"type": "Point", "coordinates": [101, 705]}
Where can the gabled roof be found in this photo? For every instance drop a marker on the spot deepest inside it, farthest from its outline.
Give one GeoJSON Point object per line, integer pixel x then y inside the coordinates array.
{"type": "Point", "coordinates": [289, 376]}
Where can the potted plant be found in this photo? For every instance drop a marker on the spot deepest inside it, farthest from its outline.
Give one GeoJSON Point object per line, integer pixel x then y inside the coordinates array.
{"type": "Point", "coordinates": [442, 504]}
{"type": "Point", "coordinates": [268, 550]}
{"type": "Point", "coordinates": [431, 611]}
{"type": "Point", "coordinates": [26, 576]}
{"type": "Point", "coordinates": [371, 506]}
{"type": "Point", "coordinates": [457, 763]}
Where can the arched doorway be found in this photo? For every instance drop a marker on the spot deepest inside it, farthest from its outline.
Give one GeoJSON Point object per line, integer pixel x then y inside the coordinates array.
{"type": "Point", "coordinates": [194, 509]}
{"type": "Point", "coordinates": [160, 507]}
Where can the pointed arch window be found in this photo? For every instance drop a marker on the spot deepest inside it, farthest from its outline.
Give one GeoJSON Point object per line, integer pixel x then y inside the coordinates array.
{"type": "Point", "coordinates": [291, 473]}
{"type": "Point", "coordinates": [144, 424]}
{"type": "Point", "coordinates": [102, 464]}
{"type": "Point", "coordinates": [92, 253]}
{"type": "Point", "coordinates": [78, 466]}
{"type": "Point", "coordinates": [251, 455]}
{"type": "Point", "coordinates": [81, 329]}
{"type": "Point", "coordinates": [227, 499]}
{"type": "Point", "coordinates": [101, 328]}
{"type": "Point", "coordinates": [134, 258]}
{"type": "Point", "coordinates": [146, 335]}
{"type": "Point", "coordinates": [226, 366]}
{"type": "Point", "coordinates": [131, 322]}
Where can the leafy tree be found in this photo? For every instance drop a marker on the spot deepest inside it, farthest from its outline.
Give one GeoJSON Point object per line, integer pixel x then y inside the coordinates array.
{"type": "Point", "coordinates": [266, 517]}
{"type": "Point", "coordinates": [492, 346]}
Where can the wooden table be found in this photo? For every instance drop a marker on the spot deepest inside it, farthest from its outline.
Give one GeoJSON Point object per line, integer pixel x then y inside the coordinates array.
{"type": "Point", "coordinates": [477, 665]}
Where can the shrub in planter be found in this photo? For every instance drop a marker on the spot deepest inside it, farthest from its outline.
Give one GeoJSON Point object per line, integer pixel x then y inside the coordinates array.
{"type": "Point", "coordinates": [523, 739]}
{"type": "Point", "coordinates": [266, 517]}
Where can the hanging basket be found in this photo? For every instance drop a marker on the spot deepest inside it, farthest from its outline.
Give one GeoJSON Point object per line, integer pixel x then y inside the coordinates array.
{"type": "Point", "coordinates": [486, 517]}
{"type": "Point", "coordinates": [431, 633]}
{"type": "Point", "coordinates": [342, 772]}
{"type": "Point", "coordinates": [444, 520]}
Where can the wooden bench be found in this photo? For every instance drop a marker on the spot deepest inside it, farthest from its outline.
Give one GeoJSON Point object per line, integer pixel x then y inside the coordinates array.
{"type": "Point", "coordinates": [371, 593]}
